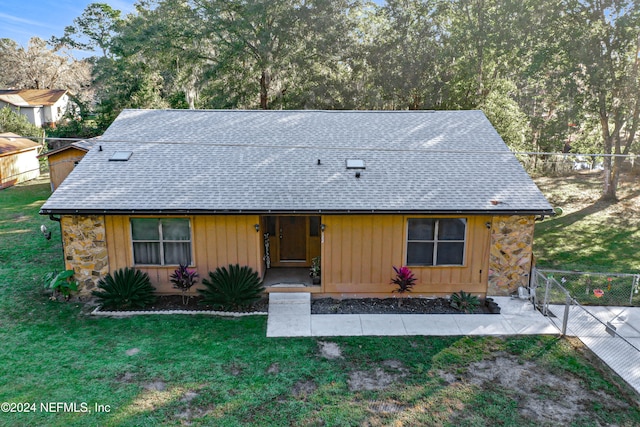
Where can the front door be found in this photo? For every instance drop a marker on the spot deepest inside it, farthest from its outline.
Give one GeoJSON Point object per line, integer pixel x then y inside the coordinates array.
{"type": "Point", "coordinates": [293, 238]}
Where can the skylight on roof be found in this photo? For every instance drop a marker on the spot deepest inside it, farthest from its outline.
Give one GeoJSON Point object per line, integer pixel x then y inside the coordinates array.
{"type": "Point", "coordinates": [355, 164]}
{"type": "Point", "coordinates": [120, 156]}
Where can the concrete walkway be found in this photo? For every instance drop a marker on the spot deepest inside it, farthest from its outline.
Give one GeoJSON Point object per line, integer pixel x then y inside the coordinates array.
{"type": "Point", "coordinates": [622, 357]}
{"type": "Point", "coordinates": [290, 316]}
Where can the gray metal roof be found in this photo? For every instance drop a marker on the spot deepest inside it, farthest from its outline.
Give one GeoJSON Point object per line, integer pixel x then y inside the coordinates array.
{"type": "Point", "coordinates": [186, 161]}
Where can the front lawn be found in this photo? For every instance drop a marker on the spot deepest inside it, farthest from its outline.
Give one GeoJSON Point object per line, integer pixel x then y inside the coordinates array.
{"type": "Point", "coordinates": [185, 370]}
{"type": "Point", "coordinates": [590, 235]}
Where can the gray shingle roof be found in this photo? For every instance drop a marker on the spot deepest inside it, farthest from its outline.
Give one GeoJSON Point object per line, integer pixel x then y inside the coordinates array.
{"type": "Point", "coordinates": [218, 161]}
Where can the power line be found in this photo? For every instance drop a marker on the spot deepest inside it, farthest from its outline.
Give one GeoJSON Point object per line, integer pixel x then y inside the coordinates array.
{"type": "Point", "coordinates": [308, 147]}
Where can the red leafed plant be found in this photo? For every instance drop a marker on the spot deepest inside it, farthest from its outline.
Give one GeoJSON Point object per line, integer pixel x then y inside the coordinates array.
{"type": "Point", "coordinates": [183, 279]}
{"type": "Point", "coordinates": [404, 280]}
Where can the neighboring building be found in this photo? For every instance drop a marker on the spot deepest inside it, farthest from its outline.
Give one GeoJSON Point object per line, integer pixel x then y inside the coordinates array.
{"type": "Point", "coordinates": [64, 159]}
{"type": "Point", "coordinates": [365, 190]}
{"type": "Point", "coordinates": [18, 159]}
{"type": "Point", "coordinates": [42, 107]}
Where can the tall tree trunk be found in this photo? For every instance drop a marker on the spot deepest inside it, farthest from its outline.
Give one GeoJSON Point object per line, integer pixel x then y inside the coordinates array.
{"type": "Point", "coordinates": [265, 80]}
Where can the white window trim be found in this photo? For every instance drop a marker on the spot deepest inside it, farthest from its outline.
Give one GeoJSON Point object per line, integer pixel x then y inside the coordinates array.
{"type": "Point", "coordinates": [435, 243]}
{"type": "Point", "coordinates": [161, 242]}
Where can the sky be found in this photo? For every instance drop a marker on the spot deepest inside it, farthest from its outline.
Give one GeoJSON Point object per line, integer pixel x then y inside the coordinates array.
{"type": "Point", "coordinates": [22, 19]}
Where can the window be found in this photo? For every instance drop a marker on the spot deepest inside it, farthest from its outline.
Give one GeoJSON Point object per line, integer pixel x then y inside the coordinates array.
{"type": "Point", "coordinates": [436, 241]}
{"type": "Point", "coordinates": [164, 241]}
{"type": "Point", "coordinates": [314, 226]}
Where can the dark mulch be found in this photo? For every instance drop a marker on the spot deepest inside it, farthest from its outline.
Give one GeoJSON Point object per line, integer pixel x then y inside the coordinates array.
{"type": "Point", "coordinates": [174, 302]}
{"type": "Point", "coordinates": [387, 306]}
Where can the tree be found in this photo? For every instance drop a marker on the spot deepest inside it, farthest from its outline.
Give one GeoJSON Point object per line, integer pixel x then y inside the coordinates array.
{"type": "Point", "coordinates": [11, 121]}
{"type": "Point", "coordinates": [406, 51]}
{"type": "Point", "coordinates": [92, 30]}
{"type": "Point", "coordinates": [38, 67]}
{"type": "Point", "coordinates": [265, 42]}
{"type": "Point", "coordinates": [608, 58]}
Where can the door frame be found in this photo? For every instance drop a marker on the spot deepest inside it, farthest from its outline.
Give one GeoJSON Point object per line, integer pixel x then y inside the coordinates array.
{"type": "Point", "coordinates": [274, 241]}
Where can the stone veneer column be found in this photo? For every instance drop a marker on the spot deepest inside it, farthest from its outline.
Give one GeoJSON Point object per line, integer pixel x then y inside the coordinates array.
{"type": "Point", "coordinates": [85, 249]}
{"type": "Point", "coordinates": [511, 253]}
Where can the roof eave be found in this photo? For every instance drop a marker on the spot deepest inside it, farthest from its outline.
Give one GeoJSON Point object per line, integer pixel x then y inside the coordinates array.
{"type": "Point", "coordinates": [543, 212]}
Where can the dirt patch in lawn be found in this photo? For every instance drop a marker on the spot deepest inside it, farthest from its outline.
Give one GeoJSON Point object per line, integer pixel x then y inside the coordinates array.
{"type": "Point", "coordinates": [329, 350]}
{"type": "Point", "coordinates": [302, 389]}
{"type": "Point", "coordinates": [390, 372]}
{"type": "Point", "coordinates": [546, 397]}
{"type": "Point", "coordinates": [387, 306]}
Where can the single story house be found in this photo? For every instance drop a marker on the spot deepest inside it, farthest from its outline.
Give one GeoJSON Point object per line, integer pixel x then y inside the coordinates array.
{"type": "Point", "coordinates": [18, 159]}
{"type": "Point", "coordinates": [438, 191]}
{"type": "Point", "coordinates": [42, 107]}
{"type": "Point", "coordinates": [62, 160]}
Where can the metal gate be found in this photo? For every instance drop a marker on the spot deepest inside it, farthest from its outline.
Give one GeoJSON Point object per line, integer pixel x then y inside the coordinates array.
{"type": "Point", "coordinates": [611, 332]}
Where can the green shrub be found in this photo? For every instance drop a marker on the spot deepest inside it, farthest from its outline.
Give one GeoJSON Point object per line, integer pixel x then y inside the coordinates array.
{"type": "Point", "coordinates": [127, 288]}
{"type": "Point", "coordinates": [464, 302]}
{"type": "Point", "coordinates": [61, 283]}
{"type": "Point", "coordinates": [232, 288]}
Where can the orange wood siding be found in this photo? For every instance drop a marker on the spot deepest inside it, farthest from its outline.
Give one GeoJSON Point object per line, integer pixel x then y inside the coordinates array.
{"type": "Point", "coordinates": [216, 241]}
{"type": "Point", "coordinates": [359, 252]}
{"type": "Point", "coordinates": [61, 164]}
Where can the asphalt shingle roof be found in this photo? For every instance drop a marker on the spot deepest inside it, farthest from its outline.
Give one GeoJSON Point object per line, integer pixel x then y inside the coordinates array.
{"type": "Point", "coordinates": [267, 161]}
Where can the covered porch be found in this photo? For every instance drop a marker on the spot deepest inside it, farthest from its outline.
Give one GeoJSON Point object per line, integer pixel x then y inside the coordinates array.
{"type": "Point", "coordinates": [289, 279]}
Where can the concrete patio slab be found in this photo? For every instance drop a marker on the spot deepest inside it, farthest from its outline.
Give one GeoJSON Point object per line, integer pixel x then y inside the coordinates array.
{"type": "Point", "coordinates": [289, 298]}
{"type": "Point", "coordinates": [430, 324]}
{"type": "Point", "coordinates": [483, 324]}
{"type": "Point", "coordinates": [382, 324]}
{"type": "Point", "coordinates": [289, 326]}
{"type": "Point", "coordinates": [530, 325]}
{"type": "Point", "coordinates": [336, 325]}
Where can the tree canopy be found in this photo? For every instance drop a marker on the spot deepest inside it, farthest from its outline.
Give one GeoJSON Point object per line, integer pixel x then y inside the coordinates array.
{"type": "Point", "coordinates": [549, 74]}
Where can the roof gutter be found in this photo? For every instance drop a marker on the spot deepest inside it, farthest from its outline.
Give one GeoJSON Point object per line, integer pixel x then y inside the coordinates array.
{"type": "Point", "coordinates": [540, 212]}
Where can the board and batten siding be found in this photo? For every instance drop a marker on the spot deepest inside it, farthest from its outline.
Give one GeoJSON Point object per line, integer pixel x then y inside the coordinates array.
{"type": "Point", "coordinates": [217, 240]}
{"type": "Point", "coordinates": [61, 164]}
{"type": "Point", "coordinates": [19, 167]}
{"type": "Point", "coordinates": [360, 251]}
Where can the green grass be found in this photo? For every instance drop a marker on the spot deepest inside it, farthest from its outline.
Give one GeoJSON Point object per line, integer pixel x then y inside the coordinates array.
{"type": "Point", "coordinates": [218, 371]}
{"type": "Point", "coordinates": [589, 235]}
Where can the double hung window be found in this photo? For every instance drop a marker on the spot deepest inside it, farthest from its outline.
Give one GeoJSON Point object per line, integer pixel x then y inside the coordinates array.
{"type": "Point", "coordinates": [433, 242]}
{"type": "Point", "coordinates": [161, 241]}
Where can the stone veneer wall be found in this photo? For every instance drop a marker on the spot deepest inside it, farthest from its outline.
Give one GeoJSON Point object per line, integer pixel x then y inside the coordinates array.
{"type": "Point", "coordinates": [511, 253]}
{"type": "Point", "coordinates": [85, 249]}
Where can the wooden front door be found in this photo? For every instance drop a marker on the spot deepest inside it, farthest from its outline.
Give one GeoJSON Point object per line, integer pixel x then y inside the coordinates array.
{"type": "Point", "coordinates": [293, 238]}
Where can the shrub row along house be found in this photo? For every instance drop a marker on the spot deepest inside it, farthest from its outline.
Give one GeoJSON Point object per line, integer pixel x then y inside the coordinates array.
{"type": "Point", "coordinates": [365, 191]}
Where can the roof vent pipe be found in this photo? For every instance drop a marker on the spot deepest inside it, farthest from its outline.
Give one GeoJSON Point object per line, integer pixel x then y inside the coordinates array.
{"type": "Point", "coordinates": [357, 174]}
{"type": "Point", "coordinates": [319, 162]}
{"type": "Point", "coordinates": [99, 147]}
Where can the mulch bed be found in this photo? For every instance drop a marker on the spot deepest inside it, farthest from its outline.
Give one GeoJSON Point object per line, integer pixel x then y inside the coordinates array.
{"type": "Point", "coordinates": [387, 306]}
{"type": "Point", "coordinates": [174, 302]}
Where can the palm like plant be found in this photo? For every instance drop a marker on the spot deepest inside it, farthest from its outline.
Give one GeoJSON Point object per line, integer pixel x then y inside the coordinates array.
{"type": "Point", "coordinates": [464, 301]}
{"type": "Point", "coordinates": [126, 288]}
{"type": "Point", "coordinates": [232, 288]}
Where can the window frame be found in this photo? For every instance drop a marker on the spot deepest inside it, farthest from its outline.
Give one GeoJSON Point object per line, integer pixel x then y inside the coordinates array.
{"type": "Point", "coordinates": [435, 242]}
{"type": "Point", "coordinates": [161, 242]}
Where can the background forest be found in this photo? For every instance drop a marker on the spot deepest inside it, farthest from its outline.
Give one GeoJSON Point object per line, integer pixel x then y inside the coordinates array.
{"type": "Point", "coordinates": [551, 75]}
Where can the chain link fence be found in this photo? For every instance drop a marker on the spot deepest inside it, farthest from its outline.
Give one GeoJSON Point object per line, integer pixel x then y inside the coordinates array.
{"type": "Point", "coordinates": [608, 289]}
{"type": "Point", "coordinates": [612, 331]}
